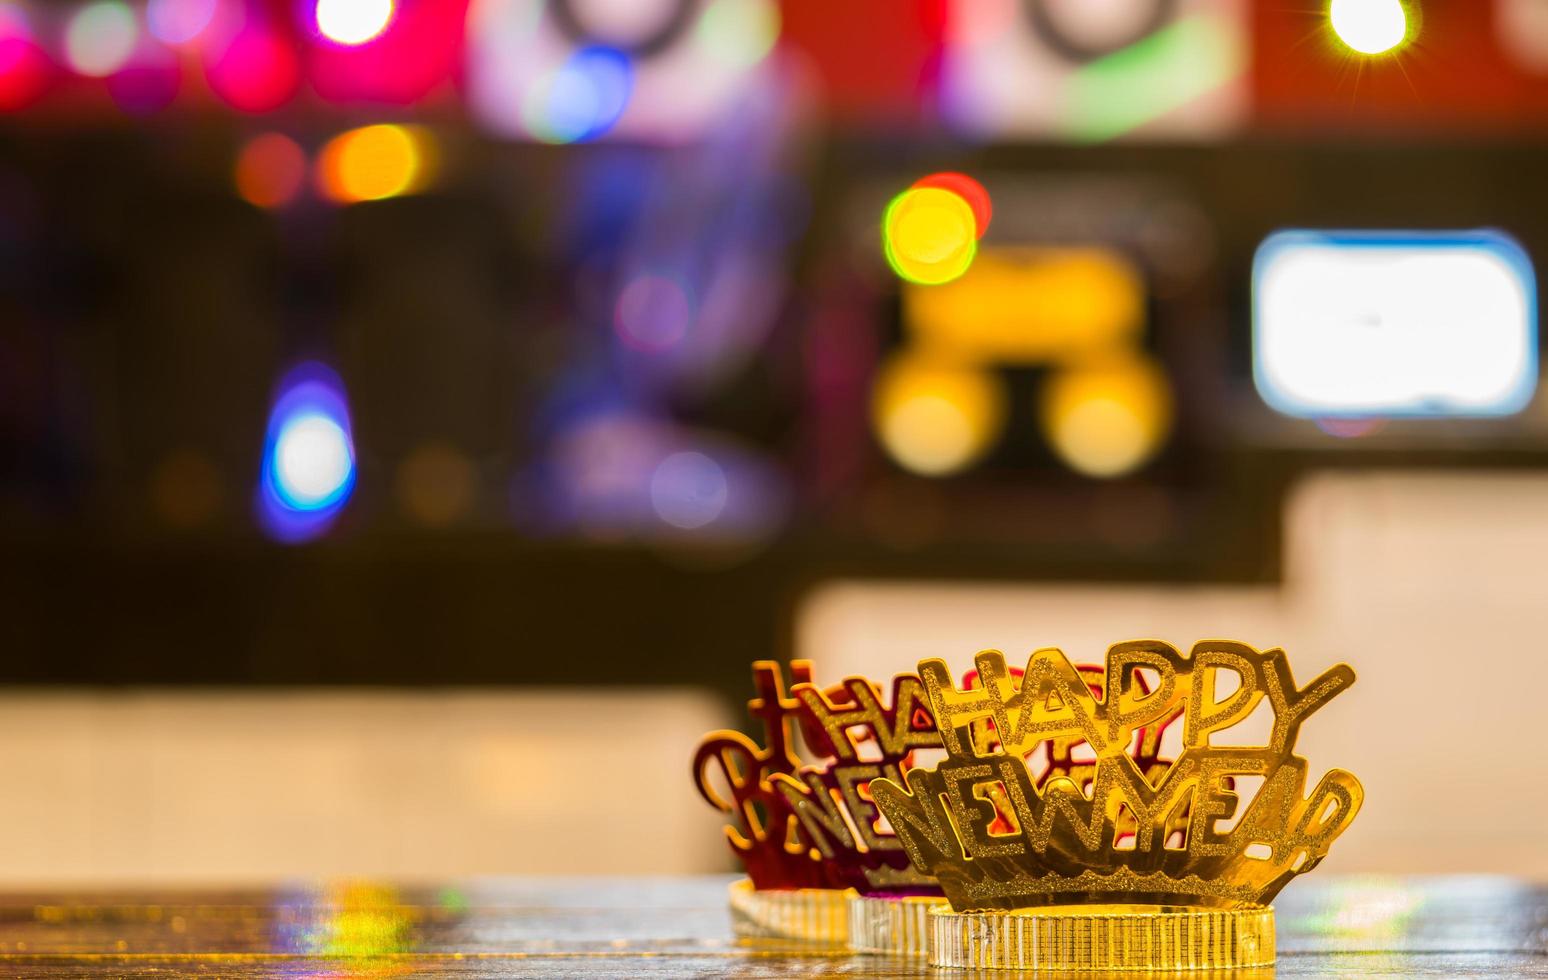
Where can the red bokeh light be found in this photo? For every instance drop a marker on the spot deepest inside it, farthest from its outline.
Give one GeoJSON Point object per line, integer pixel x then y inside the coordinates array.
{"type": "Point", "coordinates": [257, 71]}
{"type": "Point", "coordinates": [24, 67]}
{"type": "Point", "coordinates": [418, 53]}
{"type": "Point", "coordinates": [969, 190]}
{"type": "Point", "coordinates": [876, 60]}
{"type": "Point", "coordinates": [149, 83]}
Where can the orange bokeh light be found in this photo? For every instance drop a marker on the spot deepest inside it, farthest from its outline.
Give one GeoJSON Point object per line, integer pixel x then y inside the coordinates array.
{"type": "Point", "coordinates": [270, 170]}
{"type": "Point", "coordinates": [374, 162]}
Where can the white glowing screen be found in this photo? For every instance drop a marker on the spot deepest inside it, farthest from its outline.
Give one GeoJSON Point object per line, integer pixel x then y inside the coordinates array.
{"type": "Point", "coordinates": [1351, 324]}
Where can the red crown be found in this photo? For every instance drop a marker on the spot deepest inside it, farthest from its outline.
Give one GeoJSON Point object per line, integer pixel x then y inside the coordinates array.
{"type": "Point", "coordinates": [763, 829]}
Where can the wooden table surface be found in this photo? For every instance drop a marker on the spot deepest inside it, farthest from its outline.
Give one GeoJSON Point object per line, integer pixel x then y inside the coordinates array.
{"type": "Point", "coordinates": [1328, 926]}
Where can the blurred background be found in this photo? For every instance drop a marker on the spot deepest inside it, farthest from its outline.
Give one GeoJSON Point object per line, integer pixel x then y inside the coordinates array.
{"type": "Point", "coordinates": [416, 414]}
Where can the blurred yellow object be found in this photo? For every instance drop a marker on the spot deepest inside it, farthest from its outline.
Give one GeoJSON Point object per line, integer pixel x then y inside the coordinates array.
{"type": "Point", "coordinates": [934, 417]}
{"type": "Point", "coordinates": [1108, 418]}
{"type": "Point", "coordinates": [1030, 306]}
{"type": "Point", "coordinates": [930, 235]}
{"type": "Point", "coordinates": [362, 919]}
{"type": "Point", "coordinates": [375, 162]}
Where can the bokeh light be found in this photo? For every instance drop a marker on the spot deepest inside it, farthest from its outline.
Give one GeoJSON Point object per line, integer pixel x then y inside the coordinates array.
{"type": "Point", "coordinates": [739, 33]}
{"type": "Point", "coordinates": [149, 81]}
{"type": "Point", "coordinates": [930, 235]}
{"type": "Point", "coordinates": [24, 67]}
{"type": "Point", "coordinates": [653, 313]}
{"type": "Point", "coordinates": [313, 460]}
{"type": "Point", "coordinates": [498, 84]}
{"type": "Point", "coordinates": [1031, 306]}
{"type": "Point", "coordinates": [270, 170]}
{"type": "Point", "coordinates": [613, 473]}
{"type": "Point", "coordinates": [436, 484]}
{"type": "Point", "coordinates": [178, 21]}
{"type": "Point", "coordinates": [1369, 26]}
{"type": "Point", "coordinates": [375, 162]}
{"type": "Point", "coordinates": [255, 71]}
{"type": "Point", "coordinates": [970, 190]}
{"type": "Point", "coordinates": [308, 470]}
{"type": "Point", "coordinates": [1107, 419]}
{"type": "Point", "coordinates": [100, 37]}
{"type": "Point", "coordinates": [662, 71]}
{"type": "Point", "coordinates": [352, 22]}
{"type": "Point", "coordinates": [415, 54]}
{"type": "Point", "coordinates": [689, 490]}
{"type": "Point", "coordinates": [582, 99]}
{"type": "Point", "coordinates": [935, 419]}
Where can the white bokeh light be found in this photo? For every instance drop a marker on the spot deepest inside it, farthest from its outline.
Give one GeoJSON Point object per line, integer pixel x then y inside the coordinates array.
{"type": "Point", "coordinates": [1369, 26]}
{"type": "Point", "coordinates": [100, 38]}
{"type": "Point", "coordinates": [179, 21]}
{"type": "Point", "coordinates": [353, 21]}
{"type": "Point", "coordinates": [313, 460]}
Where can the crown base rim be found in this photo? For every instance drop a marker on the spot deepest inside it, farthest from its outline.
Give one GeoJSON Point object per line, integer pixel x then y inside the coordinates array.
{"type": "Point", "coordinates": [815, 916]}
{"type": "Point", "coordinates": [891, 926]}
{"type": "Point", "coordinates": [1110, 937]}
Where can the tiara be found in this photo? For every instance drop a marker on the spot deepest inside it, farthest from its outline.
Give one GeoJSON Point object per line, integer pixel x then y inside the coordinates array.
{"type": "Point", "coordinates": [1090, 816]}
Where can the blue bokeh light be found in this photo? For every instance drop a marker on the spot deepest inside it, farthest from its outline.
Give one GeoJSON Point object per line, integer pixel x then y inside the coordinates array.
{"type": "Point", "coordinates": [308, 470]}
{"type": "Point", "coordinates": [586, 96]}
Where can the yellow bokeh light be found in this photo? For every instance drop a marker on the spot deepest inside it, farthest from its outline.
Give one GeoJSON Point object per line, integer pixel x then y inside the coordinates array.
{"type": "Point", "coordinates": [934, 418]}
{"type": "Point", "coordinates": [1369, 26]}
{"type": "Point", "coordinates": [375, 162]}
{"type": "Point", "coordinates": [930, 235]}
{"type": "Point", "coordinates": [1030, 306]}
{"type": "Point", "coordinates": [1107, 419]}
{"type": "Point", "coordinates": [740, 33]}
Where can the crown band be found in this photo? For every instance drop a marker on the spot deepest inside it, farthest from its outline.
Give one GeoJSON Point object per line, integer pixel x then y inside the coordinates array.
{"type": "Point", "coordinates": [891, 926]}
{"type": "Point", "coordinates": [810, 915]}
{"type": "Point", "coordinates": [1103, 937]}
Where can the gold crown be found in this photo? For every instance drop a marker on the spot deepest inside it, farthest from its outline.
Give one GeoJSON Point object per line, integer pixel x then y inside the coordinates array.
{"type": "Point", "coordinates": [995, 838]}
